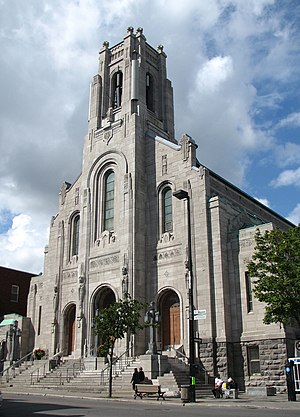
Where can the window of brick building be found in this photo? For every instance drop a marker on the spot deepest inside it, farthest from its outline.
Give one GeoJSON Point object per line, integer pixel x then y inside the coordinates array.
{"type": "Point", "coordinates": [14, 294]}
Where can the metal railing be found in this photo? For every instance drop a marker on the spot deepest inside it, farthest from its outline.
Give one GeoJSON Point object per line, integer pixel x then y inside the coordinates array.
{"type": "Point", "coordinates": [180, 355]}
{"type": "Point", "coordinates": [39, 373]}
{"type": "Point", "coordinates": [200, 367]}
{"type": "Point", "coordinates": [63, 376]}
{"type": "Point", "coordinates": [119, 365]}
{"type": "Point", "coordinates": [17, 367]}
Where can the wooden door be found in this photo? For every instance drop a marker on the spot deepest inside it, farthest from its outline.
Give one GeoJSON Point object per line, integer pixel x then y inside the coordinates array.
{"type": "Point", "coordinates": [170, 325]}
{"type": "Point", "coordinates": [175, 324]}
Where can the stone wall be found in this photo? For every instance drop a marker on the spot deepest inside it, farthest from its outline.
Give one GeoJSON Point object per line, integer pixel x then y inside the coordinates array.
{"type": "Point", "coordinates": [273, 355]}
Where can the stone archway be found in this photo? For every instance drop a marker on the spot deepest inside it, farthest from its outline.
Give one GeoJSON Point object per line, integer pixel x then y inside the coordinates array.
{"type": "Point", "coordinates": [102, 299]}
{"type": "Point", "coordinates": [70, 329]}
{"type": "Point", "coordinates": [169, 307]}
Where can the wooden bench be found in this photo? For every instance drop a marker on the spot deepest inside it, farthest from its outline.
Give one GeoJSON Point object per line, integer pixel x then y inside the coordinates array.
{"type": "Point", "coordinates": [144, 390]}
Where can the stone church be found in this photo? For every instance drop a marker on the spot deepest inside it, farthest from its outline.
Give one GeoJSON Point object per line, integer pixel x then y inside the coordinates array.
{"type": "Point", "coordinates": [121, 229]}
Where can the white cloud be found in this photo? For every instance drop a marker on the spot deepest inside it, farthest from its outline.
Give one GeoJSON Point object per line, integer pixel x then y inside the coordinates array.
{"type": "Point", "coordinates": [213, 73]}
{"type": "Point", "coordinates": [20, 246]}
{"type": "Point", "coordinates": [264, 201]}
{"type": "Point", "coordinates": [292, 120]}
{"type": "Point", "coordinates": [294, 216]}
{"type": "Point", "coordinates": [288, 177]}
{"type": "Point", "coordinates": [287, 154]}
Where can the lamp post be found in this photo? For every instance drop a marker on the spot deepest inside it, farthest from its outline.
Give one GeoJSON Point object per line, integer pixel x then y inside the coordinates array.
{"type": "Point", "coordinates": [184, 195]}
{"type": "Point", "coordinates": [95, 353]}
{"type": "Point", "coordinates": [152, 319]}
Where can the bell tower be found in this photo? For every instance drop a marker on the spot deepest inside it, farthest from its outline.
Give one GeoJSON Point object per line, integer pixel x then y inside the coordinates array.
{"type": "Point", "coordinates": [132, 79]}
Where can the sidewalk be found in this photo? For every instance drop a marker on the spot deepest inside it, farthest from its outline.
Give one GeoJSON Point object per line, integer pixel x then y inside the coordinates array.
{"type": "Point", "coordinates": [279, 401]}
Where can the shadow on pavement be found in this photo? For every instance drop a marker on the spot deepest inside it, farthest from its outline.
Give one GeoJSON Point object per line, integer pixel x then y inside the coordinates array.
{"type": "Point", "coordinates": [28, 408]}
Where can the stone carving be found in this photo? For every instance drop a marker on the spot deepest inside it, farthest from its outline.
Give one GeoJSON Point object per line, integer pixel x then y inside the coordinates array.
{"type": "Point", "coordinates": [106, 238]}
{"type": "Point", "coordinates": [166, 255]}
{"type": "Point", "coordinates": [103, 261]}
{"type": "Point", "coordinates": [166, 237]}
{"type": "Point", "coordinates": [107, 136]}
{"type": "Point", "coordinates": [81, 292]}
{"type": "Point", "coordinates": [110, 115]}
{"type": "Point", "coordinates": [76, 196]}
{"type": "Point", "coordinates": [63, 192]}
{"type": "Point", "coordinates": [13, 335]}
{"type": "Point", "coordinates": [247, 243]}
{"type": "Point", "coordinates": [124, 280]}
{"type": "Point", "coordinates": [55, 299]}
{"type": "Point", "coordinates": [185, 146]}
{"type": "Point", "coordinates": [70, 276]}
{"type": "Point", "coordinates": [164, 164]}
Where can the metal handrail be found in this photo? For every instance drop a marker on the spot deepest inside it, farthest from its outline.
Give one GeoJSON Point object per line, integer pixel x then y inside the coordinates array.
{"type": "Point", "coordinates": [206, 378]}
{"type": "Point", "coordinates": [119, 364]}
{"type": "Point", "coordinates": [70, 372]}
{"type": "Point", "coordinates": [36, 373]}
{"type": "Point", "coordinates": [179, 353]}
{"type": "Point", "coordinates": [15, 365]}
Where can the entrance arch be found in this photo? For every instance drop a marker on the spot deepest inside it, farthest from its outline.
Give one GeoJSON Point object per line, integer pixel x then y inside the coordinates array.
{"type": "Point", "coordinates": [70, 329]}
{"type": "Point", "coordinates": [103, 297]}
{"type": "Point", "coordinates": [169, 307]}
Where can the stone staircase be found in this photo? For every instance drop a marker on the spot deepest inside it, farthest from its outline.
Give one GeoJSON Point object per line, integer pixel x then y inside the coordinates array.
{"type": "Point", "coordinates": [40, 376]}
{"type": "Point", "coordinates": [23, 374]}
{"type": "Point", "coordinates": [71, 376]}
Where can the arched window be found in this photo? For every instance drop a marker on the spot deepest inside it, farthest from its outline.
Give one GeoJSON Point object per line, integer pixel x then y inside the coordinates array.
{"type": "Point", "coordinates": [109, 201]}
{"type": "Point", "coordinates": [117, 87]}
{"type": "Point", "coordinates": [167, 223]}
{"type": "Point", "coordinates": [75, 235]}
{"type": "Point", "coordinates": [149, 92]}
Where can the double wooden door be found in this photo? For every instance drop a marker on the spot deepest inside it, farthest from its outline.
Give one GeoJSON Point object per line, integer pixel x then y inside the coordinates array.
{"type": "Point", "coordinates": [170, 325]}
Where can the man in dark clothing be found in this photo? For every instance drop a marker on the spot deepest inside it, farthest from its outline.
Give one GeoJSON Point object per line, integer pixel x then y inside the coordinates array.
{"type": "Point", "coordinates": [135, 378]}
{"type": "Point", "coordinates": [141, 375]}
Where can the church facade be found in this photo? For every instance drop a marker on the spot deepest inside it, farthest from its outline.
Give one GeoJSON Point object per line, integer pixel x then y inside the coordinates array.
{"type": "Point", "coordinates": [120, 229]}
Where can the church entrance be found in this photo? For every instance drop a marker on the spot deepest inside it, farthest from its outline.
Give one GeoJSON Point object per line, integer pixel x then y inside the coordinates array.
{"type": "Point", "coordinates": [70, 329]}
{"type": "Point", "coordinates": [170, 320]}
{"type": "Point", "coordinates": [102, 299]}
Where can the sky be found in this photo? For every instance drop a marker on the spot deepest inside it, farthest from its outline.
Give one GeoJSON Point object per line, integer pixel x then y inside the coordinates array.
{"type": "Point", "coordinates": [234, 67]}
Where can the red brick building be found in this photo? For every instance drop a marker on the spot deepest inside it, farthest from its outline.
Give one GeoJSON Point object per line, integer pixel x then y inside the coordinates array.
{"type": "Point", "coordinates": [14, 291]}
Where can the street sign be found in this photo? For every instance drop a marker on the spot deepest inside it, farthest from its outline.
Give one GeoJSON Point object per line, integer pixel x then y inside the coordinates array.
{"type": "Point", "coordinates": [199, 314]}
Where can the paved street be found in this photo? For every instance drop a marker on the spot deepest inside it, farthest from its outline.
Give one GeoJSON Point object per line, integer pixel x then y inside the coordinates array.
{"type": "Point", "coordinates": [38, 405]}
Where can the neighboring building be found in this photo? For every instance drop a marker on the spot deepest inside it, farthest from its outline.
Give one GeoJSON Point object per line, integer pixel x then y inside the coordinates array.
{"type": "Point", "coordinates": [14, 291]}
{"type": "Point", "coordinates": [120, 229]}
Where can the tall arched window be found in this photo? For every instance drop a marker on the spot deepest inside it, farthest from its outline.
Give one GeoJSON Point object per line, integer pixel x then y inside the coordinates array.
{"type": "Point", "coordinates": [167, 223]}
{"type": "Point", "coordinates": [149, 92]}
{"type": "Point", "coordinates": [75, 235]}
{"type": "Point", "coordinates": [117, 87]}
{"type": "Point", "coordinates": [109, 201]}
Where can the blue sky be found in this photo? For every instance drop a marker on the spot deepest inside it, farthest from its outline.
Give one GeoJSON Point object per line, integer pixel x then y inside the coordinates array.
{"type": "Point", "coordinates": [234, 66]}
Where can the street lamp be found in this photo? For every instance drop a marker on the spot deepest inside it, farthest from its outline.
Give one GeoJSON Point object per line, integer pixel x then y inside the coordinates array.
{"type": "Point", "coordinates": [184, 195]}
{"type": "Point", "coordinates": [152, 320]}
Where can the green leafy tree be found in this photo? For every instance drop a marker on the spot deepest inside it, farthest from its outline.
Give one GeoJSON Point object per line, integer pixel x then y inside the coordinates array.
{"type": "Point", "coordinates": [113, 323]}
{"type": "Point", "coordinates": [276, 265]}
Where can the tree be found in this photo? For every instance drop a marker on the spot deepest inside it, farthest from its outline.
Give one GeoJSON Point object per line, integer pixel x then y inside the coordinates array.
{"type": "Point", "coordinates": [276, 265]}
{"type": "Point", "coordinates": [113, 323]}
